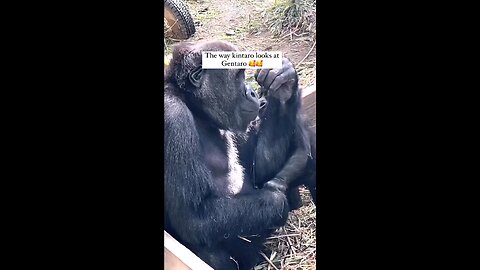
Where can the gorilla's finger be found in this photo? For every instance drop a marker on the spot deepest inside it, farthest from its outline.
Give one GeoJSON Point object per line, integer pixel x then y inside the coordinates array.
{"type": "Point", "coordinates": [286, 63]}
{"type": "Point", "coordinates": [279, 81]}
{"type": "Point", "coordinates": [276, 185]}
{"type": "Point", "coordinates": [262, 74]}
{"type": "Point", "coordinates": [288, 75]}
{"type": "Point", "coordinates": [270, 78]}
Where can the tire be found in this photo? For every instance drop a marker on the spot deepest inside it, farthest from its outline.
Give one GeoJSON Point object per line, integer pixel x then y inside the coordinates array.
{"type": "Point", "coordinates": [178, 19]}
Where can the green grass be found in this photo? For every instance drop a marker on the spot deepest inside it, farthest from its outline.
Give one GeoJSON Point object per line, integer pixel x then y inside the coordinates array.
{"type": "Point", "coordinates": [291, 15]}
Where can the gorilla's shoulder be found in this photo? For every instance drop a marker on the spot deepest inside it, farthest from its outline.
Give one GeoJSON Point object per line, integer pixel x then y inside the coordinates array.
{"type": "Point", "coordinates": [177, 114]}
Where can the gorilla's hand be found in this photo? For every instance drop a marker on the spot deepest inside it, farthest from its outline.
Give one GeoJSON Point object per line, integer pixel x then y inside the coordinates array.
{"type": "Point", "coordinates": [278, 204]}
{"type": "Point", "coordinates": [279, 83]}
{"type": "Point", "coordinates": [276, 184]}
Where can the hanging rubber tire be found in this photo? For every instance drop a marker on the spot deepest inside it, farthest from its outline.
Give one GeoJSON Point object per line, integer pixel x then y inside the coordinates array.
{"type": "Point", "coordinates": [179, 21]}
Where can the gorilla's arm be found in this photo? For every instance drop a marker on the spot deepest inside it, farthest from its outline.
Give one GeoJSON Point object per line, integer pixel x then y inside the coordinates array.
{"type": "Point", "coordinates": [281, 88]}
{"type": "Point", "coordinates": [296, 164]}
{"type": "Point", "coordinates": [196, 214]}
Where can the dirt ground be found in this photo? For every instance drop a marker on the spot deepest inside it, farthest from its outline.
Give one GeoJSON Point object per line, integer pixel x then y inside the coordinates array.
{"type": "Point", "coordinates": [213, 19]}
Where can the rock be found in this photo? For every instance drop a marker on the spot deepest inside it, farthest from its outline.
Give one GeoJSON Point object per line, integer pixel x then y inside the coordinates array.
{"type": "Point", "coordinates": [230, 33]}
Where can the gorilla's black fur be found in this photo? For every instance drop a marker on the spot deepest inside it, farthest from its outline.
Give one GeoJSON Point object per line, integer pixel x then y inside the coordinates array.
{"type": "Point", "coordinates": [209, 200]}
{"type": "Point", "coordinates": [283, 143]}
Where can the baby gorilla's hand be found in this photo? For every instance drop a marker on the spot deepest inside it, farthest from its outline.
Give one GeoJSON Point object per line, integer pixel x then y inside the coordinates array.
{"type": "Point", "coordinates": [276, 185]}
{"type": "Point", "coordinates": [279, 83]}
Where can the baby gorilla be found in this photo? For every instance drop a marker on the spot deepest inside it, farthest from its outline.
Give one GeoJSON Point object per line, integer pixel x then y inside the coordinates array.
{"type": "Point", "coordinates": [282, 142]}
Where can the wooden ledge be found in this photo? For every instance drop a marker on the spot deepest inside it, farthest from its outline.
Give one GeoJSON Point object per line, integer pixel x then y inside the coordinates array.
{"type": "Point", "coordinates": [178, 257]}
{"type": "Point", "coordinates": [309, 103]}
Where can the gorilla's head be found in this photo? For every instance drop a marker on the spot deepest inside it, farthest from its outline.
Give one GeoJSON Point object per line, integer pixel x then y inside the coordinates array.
{"type": "Point", "coordinates": [220, 96]}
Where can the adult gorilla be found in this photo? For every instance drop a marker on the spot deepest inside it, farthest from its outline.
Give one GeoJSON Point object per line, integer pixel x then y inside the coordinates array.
{"type": "Point", "coordinates": [209, 200]}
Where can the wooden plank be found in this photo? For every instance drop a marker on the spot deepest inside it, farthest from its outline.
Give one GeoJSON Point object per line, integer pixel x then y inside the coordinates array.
{"type": "Point", "coordinates": [178, 257]}
{"type": "Point", "coordinates": [309, 90]}
{"type": "Point", "coordinates": [172, 262]}
{"type": "Point", "coordinates": [309, 103]}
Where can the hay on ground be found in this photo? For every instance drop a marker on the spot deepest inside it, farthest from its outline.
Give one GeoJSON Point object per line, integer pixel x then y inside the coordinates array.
{"type": "Point", "coordinates": [294, 245]}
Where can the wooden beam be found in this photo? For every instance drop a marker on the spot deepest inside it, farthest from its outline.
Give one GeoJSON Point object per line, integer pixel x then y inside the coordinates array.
{"type": "Point", "coordinates": [309, 90]}
{"type": "Point", "coordinates": [309, 103]}
{"type": "Point", "coordinates": [178, 257]}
